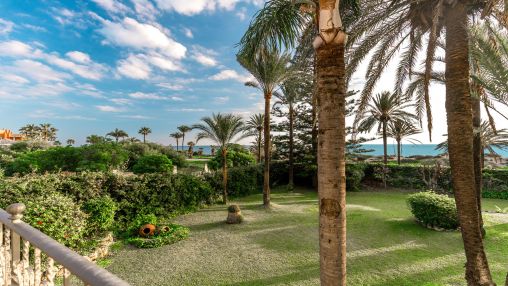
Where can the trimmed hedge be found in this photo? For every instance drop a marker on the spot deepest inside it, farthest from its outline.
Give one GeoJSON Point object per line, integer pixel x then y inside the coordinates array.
{"type": "Point", "coordinates": [434, 210]}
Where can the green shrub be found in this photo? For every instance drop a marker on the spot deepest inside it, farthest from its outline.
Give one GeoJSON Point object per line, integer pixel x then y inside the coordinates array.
{"type": "Point", "coordinates": [237, 156]}
{"type": "Point", "coordinates": [101, 214]}
{"type": "Point", "coordinates": [242, 181]}
{"type": "Point", "coordinates": [434, 210]}
{"type": "Point", "coordinates": [153, 164]}
{"type": "Point", "coordinates": [354, 176]}
{"type": "Point", "coordinates": [499, 193]}
{"type": "Point", "coordinates": [138, 221]}
{"type": "Point", "coordinates": [55, 214]}
{"type": "Point", "coordinates": [173, 234]}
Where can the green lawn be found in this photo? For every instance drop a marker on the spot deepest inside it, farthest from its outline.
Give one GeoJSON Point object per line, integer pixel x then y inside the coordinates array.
{"type": "Point", "coordinates": [280, 247]}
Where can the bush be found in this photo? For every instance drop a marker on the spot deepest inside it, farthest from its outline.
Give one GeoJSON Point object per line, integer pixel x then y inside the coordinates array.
{"type": "Point", "coordinates": [434, 210]}
{"type": "Point", "coordinates": [500, 193]}
{"type": "Point", "coordinates": [140, 220]}
{"type": "Point", "coordinates": [153, 164]}
{"type": "Point", "coordinates": [55, 214]}
{"type": "Point", "coordinates": [237, 156]}
{"type": "Point", "coordinates": [242, 181]}
{"type": "Point", "coordinates": [101, 214]}
{"type": "Point", "coordinates": [354, 176]}
{"type": "Point", "coordinates": [173, 234]}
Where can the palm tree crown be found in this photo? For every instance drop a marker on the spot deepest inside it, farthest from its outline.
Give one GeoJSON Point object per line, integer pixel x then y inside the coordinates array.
{"type": "Point", "coordinates": [117, 134]}
{"type": "Point", "coordinates": [176, 136]}
{"type": "Point", "coordinates": [223, 129]}
{"type": "Point", "coordinates": [144, 131]}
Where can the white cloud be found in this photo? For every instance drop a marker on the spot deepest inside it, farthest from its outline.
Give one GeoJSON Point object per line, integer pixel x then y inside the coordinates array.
{"type": "Point", "coordinates": [134, 67]}
{"type": "Point", "coordinates": [121, 101]}
{"type": "Point", "coordinates": [15, 49]}
{"type": "Point", "coordinates": [14, 78]}
{"type": "Point", "coordinates": [109, 108]}
{"type": "Point", "coordinates": [135, 117]}
{"type": "Point", "coordinates": [242, 13]}
{"type": "Point", "coordinates": [38, 71]}
{"type": "Point", "coordinates": [230, 74]}
{"type": "Point", "coordinates": [142, 95]}
{"type": "Point", "coordinates": [193, 7]}
{"type": "Point", "coordinates": [92, 71]}
{"type": "Point", "coordinates": [193, 109]}
{"type": "Point", "coordinates": [163, 63]}
{"type": "Point", "coordinates": [130, 33]}
{"type": "Point", "coordinates": [176, 98]}
{"type": "Point", "coordinates": [204, 56]}
{"type": "Point", "coordinates": [221, 99]}
{"type": "Point", "coordinates": [5, 26]}
{"type": "Point", "coordinates": [171, 86]}
{"type": "Point", "coordinates": [145, 9]}
{"type": "Point", "coordinates": [112, 6]}
{"type": "Point", "coordinates": [78, 57]}
{"type": "Point", "coordinates": [188, 33]}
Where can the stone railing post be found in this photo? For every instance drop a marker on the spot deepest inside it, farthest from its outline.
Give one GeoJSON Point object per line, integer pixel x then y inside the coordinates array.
{"type": "Point", "coordinates": [16, 212]}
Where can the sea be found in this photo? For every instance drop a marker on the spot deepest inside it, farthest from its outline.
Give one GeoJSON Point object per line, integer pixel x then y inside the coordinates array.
{"type": "Point", "coordinates": [377, 150]}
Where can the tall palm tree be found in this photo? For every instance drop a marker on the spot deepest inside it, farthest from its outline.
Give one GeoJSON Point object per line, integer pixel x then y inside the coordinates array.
{"type": "Point", "coordinates": [269, 69]}
{"type": "Point", "coordinates": [183, 129]}
{"type": "Point", "coordinates": [71, 142]}
{"type": "Point", "coordinates": [280, 25]}
{"type": "Point", "coordinates": [30, 131]}
{"type": "Point", "coordinates": [176, 136]}
{"type": "Point", "coordinates": [385, 107]}
{"type": "Point", "coordinates": [191, 145]}
{"type": "Point", "coordinates": [399, 130]}
{"type": "Point", "coordinates": [289, 96]}
{"type": "Point", "coordinates": [223, 129]}
{"type": "Point", "coordinates": [117, 134]}
{"type": "Point", "coordinates": [256, 124]}
{"type": "Point", "coordinates": [144, 131]}
{"type": "Point", "coordinates": [47, 132]}
{"type": "Point", "coordinates": [96, 139]}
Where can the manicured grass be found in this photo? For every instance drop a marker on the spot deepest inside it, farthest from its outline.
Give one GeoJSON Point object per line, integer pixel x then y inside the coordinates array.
{"type": "Point", "coordinates": [280, 247]}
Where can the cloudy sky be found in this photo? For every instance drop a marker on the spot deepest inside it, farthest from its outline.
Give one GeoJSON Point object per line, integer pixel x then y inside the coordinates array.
{"type": "Point", "coordinates": [89, 66]}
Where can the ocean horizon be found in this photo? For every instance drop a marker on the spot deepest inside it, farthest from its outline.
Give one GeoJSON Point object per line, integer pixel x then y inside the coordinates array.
{"type": "Point", "coordinates": [377, 150]}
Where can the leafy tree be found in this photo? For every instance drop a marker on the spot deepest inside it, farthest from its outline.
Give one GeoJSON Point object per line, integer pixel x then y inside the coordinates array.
{"type": "Point", "coordinates": [71, 142]}
{"type": "Point", "coordinates": [144, 131]}
{"type": "Point", "coordinates": [153, 164]}
{"type": "Point", "coordinates": [117, 134]}
{"type": "Point", "coordinates": [237, 156]}
{"type": "Point", "coordinates": [223, 129]}
{"type": "Point", "coordinates": [270, 69]}
{"type": "Point", "coordinates": [96, 139]}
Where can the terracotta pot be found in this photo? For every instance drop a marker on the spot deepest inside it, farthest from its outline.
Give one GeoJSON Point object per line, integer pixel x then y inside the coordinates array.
{"type": "Point", "coordinates": [147, 230]}
{"type": "Point", "coordinates": [163, 229]}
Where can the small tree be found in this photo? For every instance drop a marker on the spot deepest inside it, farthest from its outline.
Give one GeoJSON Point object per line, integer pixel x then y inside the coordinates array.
{"type": "Point", "coordinates": [144, 131]}
{"type": "Point", "coordinates": [117, 134]}
{"type": "Point", "coordinates": [223, 129]}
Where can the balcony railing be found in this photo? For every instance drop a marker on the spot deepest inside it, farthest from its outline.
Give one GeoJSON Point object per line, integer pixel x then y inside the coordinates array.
{"type": "Point", "coordinates": [28, 257]}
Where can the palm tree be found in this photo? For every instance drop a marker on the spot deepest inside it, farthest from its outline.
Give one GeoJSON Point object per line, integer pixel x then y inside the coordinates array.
{"type": "Point", "coordinates": [399, 130]}
{"type": "Point", "coordinates": [96, 139]}
{"type": "Point", "coordinates": [270, 69]}
{"type": "Point", "coordinates": [255, 124]}
{"type": "Point", "coordinates": [177, 136]}
{"type": "Point", "coordinates": [184, 129]}
{"type": "Point", "coordinates": [71, 142]}
{"type": "Point", "coordinates": [280, 25]}
{"type": "Point", "coordinates": [144, 131]}
{"type": "Point", "coordinates": [289, 97]}
{"type": "Point", "coordinates": [223, 129]}
{"type": "Point", "coordinates": [117, 134]}
{"type": "Point", "coordinates": [191, 147]}
{"type": "Point", "coordinates": [385, 107]}
{"type": "Point", "coordinates": [30, 131]}
{"type": "Point", "coordinates": [47, 132]}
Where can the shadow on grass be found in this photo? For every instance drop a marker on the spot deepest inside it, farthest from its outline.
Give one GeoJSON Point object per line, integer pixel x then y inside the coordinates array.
{"type": "Point", "coordinates": [301, 273]}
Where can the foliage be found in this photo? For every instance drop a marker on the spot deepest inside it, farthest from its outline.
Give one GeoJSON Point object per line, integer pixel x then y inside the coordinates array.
{"type": "Point", "coordinates": [354, 176]}
{"type": "Point", "coordinates": [236, 156]}
{"type": "Point", "coordinates": [242, 181]}
{"type": "Point", "coordinates": [101, 214]}
{"type": "Point", "coordinates": [153, 164]}
{"type": "Point", "coordinates": [138, 221]}
{"type": "Point", "coordinates": [434, 210]}
{"type": "Point", "coordinates": [53, 213]}
{"type": "Point", "coordinates": [173, 234]}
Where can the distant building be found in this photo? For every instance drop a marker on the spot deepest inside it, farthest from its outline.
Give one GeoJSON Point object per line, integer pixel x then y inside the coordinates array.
{"type": "Point", "coordinates": [7, 137]}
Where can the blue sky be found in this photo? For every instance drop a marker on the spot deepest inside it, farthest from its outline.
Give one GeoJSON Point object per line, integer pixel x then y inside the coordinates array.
{"type": "Point", "coordinates": [90, 66]}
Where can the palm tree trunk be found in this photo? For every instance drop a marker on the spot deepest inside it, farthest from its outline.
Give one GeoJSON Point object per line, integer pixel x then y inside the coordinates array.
{"type": "Point", "coordinates": [259, 145]}
{"type": "Point", "coordinates": [399, 149]}
{"type": "Point", "coordinates": [331, 160]}
{"type": "Point", "coordinates": [266, 169]}
{"type": "Point", "coordinates": [291, 147]}
{"type": "Point", "coordinates": [224, 175]}
{"type": "Point", "coordinates": [460, 139]}
{"type": "Point", "coordinates": [314, 135]}
{"type": "Point", "coordinates": [144, 138]}
{"type": "Point", "coordinates": [177, 145]}
{"type": "Point", "coordinates": [477, 157]}
{"type": "Point", "coordinates": [183, 140]}
{"type": "Point", "coordinates": [385, 144]}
